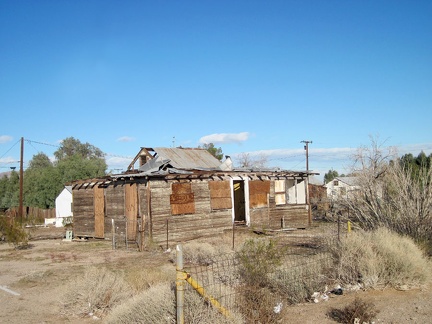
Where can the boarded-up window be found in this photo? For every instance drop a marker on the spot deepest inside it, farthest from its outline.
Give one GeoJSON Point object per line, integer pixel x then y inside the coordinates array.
{"type": "Point", "coordinates": [258, 191]}
{"type": "Point", "coordinates": [182, 199]}
{"type": "Point", "coordinates": [220, 195]}
{"type": "Point", "coordinates": [280, 194]}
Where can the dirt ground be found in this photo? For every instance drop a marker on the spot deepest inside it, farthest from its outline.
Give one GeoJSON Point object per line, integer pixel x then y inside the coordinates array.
{"type": "Point", "coordinates": [32, 282]}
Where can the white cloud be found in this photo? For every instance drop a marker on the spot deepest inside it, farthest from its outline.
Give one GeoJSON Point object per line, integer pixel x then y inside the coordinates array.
{"type": "Point", "coordinates": [8, 159]}
{"type": "Point", "coordinates": [117, 163]}
{"type": "Point", "coordinates": [5, 139]}
{"type": "Point", "coordinates": [224, 138]}
{"type": "Point", "coordinates": [125, 139]}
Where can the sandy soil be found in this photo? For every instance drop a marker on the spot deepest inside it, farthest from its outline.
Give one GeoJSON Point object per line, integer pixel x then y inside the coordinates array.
{"type": "Point", "coordinates": [33, 280]}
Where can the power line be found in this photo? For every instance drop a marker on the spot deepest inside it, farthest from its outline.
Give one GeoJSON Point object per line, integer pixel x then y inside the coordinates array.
{"type": "Point", "coordinates": [10, 149]}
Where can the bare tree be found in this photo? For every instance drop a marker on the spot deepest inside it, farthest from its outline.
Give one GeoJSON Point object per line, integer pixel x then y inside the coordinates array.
{"type": "Point", "coordinates": [246, 160]}
{"type": "Point", "coordinates": [389, 195]}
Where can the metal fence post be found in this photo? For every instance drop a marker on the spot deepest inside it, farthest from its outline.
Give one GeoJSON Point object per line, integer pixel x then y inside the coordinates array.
{"type": "Point", "coordinates": [113, 233]}
{"type": "Point", "coordinates": [180, 284]}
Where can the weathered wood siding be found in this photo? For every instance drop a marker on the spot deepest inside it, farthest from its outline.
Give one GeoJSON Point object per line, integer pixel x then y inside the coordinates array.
{"type": "Point", "coordinates": [115, 209]}
{"type": "Point", "coordinates": [131, 209]}
{"type": "Point", "coordinates": [184, 210]}
{"type": "Point", "coordinates": [99, 211]}
{"type": "Point", "coordinates": [272, 216]}
{"type": "Point", "coordinates": [183, 227]}
{"type": "Point", "coordinates": [83, 210]}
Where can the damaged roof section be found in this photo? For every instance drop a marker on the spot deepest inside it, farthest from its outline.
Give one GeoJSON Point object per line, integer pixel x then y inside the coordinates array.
{"type": "Point", "coordinates": [188, 163]}
{"type": "Point", "coordinates": [181, 158]}
{"type": "Point", "coordinates": [161, 158]}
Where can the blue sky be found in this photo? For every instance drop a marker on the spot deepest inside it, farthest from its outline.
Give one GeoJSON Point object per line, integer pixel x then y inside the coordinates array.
{"type": "Point", "coordinates": [250, 76]}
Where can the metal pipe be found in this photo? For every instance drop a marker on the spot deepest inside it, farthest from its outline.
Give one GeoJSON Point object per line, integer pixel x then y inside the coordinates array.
{"type": "Point", "coordinates": [200, 289]}
{"type": "Point", "coordinates": [113, 233]}
{"type": "Point", "coordinates": [180, 283]}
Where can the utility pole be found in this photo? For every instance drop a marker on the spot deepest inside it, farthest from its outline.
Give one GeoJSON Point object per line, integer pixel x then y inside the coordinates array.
{"type": "Point", "coordinates": [306, 147]}
{"type": "Point", "coordinates": [21, 181]}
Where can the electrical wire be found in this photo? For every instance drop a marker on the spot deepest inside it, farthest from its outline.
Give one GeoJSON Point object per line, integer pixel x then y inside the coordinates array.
{"type": "Point", "coordinates": [10, 149]}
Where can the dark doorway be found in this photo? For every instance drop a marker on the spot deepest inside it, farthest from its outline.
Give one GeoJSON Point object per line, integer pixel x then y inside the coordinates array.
{"type": "Point", "coordinates": [239, 202]}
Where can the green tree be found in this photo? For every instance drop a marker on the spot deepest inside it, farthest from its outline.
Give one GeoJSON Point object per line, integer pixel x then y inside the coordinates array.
{"type": "Point", "coordinates": [216, 152]}
{"type": "Point", "coordinates": [10, 190]}
{"type": "Point", "coordinates": [70, 147]}
{"type": "Point", "coordinates": [41, 182]}
{"type": "Point", "coordinates": [44, 180]}
{"type": "Point", "coordinates": [75, 168]}
{"type": "Point", "coordinates": [76, 160]}
{"type": "Point", "coordinates": [415, 165]}
{"type": "Point", "coordinates": [330, 175]}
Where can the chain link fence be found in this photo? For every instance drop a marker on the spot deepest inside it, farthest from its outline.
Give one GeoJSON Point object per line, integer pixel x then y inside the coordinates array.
{"type": "Point", "coordinates": [259, 279]}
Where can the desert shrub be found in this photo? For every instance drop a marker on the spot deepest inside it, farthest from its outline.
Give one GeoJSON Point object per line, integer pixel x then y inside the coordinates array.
{"type": "Point", "coordinates": [359, 311]}
{"type": "Point", "coordinates": [198, 310]}
{"type": "Point", "coordinates": [297, 282]}
{"type": "Point", "coordinates": [257, 259]}
{"type": "Point", "coordinates": [402, 262]}
{"type": "Point", "coordinates": [154, 305]}
{"type": "Point", "coordinates": [13, 232]}
{"type": "Point", "coordinates": [157, 305]}
{"type": "Point", "coordinates": [201, 253]}
{"type": "Point", "coordinates": [356, 260]}
{"type": "Point", "coordinates": [378, 258]}
{"type": "Point", "coordinates": [390, 193]}
{"type": "Point", "coordinates": [95, 293]}
{"type": "Point", "coordinates": [140, 279]}
{"type": "Point", "coordinates": [257, 304]}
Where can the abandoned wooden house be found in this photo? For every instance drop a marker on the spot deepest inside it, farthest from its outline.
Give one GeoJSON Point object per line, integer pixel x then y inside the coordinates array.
{"type": "Point", "coordinates": [187, 193]}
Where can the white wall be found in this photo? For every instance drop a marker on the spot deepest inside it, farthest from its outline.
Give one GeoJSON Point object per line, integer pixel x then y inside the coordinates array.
{"type": "Point", "coordinates": [296, 192]}
{"type": "Point", "coordinates": [63, 205]}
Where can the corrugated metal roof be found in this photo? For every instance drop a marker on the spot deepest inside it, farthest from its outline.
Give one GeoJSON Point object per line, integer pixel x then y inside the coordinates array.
{"type": "Point", "coordinates": [187, 158]}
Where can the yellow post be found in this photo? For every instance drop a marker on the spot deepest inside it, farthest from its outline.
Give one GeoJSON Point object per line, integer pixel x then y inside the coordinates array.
{"type": "Point", "coordinates": [200, 289]}
{"type": "Point", "coordinates": [349, 227]}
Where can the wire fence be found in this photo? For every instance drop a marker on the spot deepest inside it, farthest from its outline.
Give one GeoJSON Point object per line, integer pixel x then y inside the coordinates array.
{"type": "Point", "coordinates": [259, 279]}
{"type": "Point", "coordinates": [126, 234]}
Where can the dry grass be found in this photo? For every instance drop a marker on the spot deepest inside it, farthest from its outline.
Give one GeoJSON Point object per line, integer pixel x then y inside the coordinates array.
{"type": "Point", "coordinates": [141, 279]}
{"type": "Point", "coordinates": [359, 311]}
{"type": "Point", "coordinates": [297, 282]}
{"type": "Point", "coordinates": [96, 293]}
{"type": "Point", "coordinates": [380, 258]}
{"type": "Point", "coordinates": [154, 305]}
{"type": "Point", "coordinates": [157, 305]}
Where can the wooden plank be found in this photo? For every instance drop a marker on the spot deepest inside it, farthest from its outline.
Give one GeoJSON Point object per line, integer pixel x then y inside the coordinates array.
{"type": "Point", "coordinates": [258, 186]}
{"type": "Point", "coordinates": [221, 203]}
{"type": "Point", "coordinates": [131, 210]}
{"type": "Point", "coordinates": [181, 188]}
{"type": "Point", "coordinates": [83, 211]}
{"type": "Point", "coordinates": [258, 200]}
{"type": "Point", "coordinates": [115, 202]}
{"type": "Point", "coordinates": [178, 209]}
{"type": "Point", "coordinates": [182, 198]}
{"type": "Point", "coordinates": [99, 211]}
{"type": "Point", "coordinates": [220, 195]}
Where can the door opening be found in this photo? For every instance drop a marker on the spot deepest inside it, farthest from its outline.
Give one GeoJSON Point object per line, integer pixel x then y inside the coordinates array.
{"type": "Point", "coordinates": [239, 202]}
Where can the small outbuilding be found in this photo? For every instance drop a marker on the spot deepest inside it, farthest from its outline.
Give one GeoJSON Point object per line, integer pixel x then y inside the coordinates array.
{"type": "Point", "coordinates": [342, 187]}
{"type": "Point", "coordinates": [63, 207]}
{"type": "Point", "coordinates": [186, 193]}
